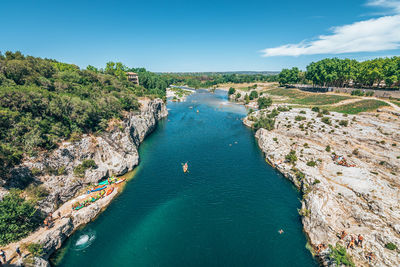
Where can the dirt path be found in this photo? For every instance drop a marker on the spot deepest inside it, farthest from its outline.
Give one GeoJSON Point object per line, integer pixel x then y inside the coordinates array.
{"type": "Point", "coordinates": [354, 100]}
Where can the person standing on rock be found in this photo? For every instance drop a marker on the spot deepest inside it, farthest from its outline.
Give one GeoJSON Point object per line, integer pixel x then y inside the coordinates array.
{"type": "Point", "coordinates": [351, 243]}
{"type": "Point", "coordinates": [360, 240]}
{"type": "Point", "coordinates": [3, 256]}
{"type": "Point", "coordinates": [18, 251]}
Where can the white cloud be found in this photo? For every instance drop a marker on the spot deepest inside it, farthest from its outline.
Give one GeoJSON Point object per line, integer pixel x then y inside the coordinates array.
{"type": "Point", "coordinates": [371, 35]}
{"type": "Point", "coordinates": [392, 5]}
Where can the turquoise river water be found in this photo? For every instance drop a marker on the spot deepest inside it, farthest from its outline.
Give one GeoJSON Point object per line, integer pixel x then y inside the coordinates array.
{"type": "Point", "coordinates": [225, 212]}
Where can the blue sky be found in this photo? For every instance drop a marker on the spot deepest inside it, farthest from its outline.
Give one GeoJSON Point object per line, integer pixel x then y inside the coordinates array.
{"type": "Point", "coordinates": [203, 35]}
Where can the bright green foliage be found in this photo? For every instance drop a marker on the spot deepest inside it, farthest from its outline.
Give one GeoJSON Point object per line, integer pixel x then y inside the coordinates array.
{"type": "Point", "coordinates": [326, 120]}
{"type": "Point", "coordinates": [43, 102]}
{"type": "Point", "coordinates": [80, 170]}
{"type": "Point", "coordinates": [340, 256]}
{"type": "Point", "coordinates": [357, 92]}
{"type": "Point", "coordinates": [291, 157]}
{"type": "Point", "coordinates": [289, 76]}
{"type": "Point", "coordinates": [264, 102]}
{"type": "Point", "coordinates": [35, 249]}
{"type": "Point", "coordinates": [17, 218]}
{"type": "Point", "coordinates": [369, 73]}
{"type": "Point", "coordinates": [231, 91]}
{"type": "Point", "coordinates": [302, 98]}
{"type": "Point", "coordinates": [311, 163]}
{"type": "Point", "coordinates": [300, 118]}
{"type": "Point", "coordinates": [36, 192]}
{"type": "Point", "coordinates": [246, 99]}
{"type": "Point", "coordinates": [253, 95]}
{"type": "Point", "coordinates": [264, 122]}
{"type": "Point", "coordinates": [391, 246]}
{"type": "Point", "coordinates": [209, 79]}
{"type": "Point", "coordinates": [359, 106]}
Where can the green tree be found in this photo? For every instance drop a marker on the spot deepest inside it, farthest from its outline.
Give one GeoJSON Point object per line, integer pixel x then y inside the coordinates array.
{"type": "Point", "coordinates": [246, 99]}
{"type": "Point", "coordinates": [264, 102]}
{"type": "Point", "coordinates": [17, 218]}
{"type": "Point", "coordinates": [253, 95]}
{"type": "Point", "coordinates": [291, 157]}
{"type": "Point", "coordinates": [289, 76]}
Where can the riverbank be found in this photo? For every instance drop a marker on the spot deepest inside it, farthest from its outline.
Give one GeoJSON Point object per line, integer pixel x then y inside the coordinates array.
{"type": "Point", "coordinates": [179, 94]}
{"type": "Point", "coordinates": [226, 210]}
{"type": "Point", "coordinates": [347, 168]}
{"type": "Point", "coordinates": [114, 152]}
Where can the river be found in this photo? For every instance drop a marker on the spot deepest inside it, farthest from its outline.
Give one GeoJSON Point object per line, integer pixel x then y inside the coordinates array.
{"type": "Point", "coordinates": [226, 211]}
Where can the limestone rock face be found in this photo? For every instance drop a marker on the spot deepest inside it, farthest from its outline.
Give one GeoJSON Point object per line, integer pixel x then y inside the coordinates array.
{"type": "Point", "coordinates": [362, 199]}
{"type": "Point", "coordinates": [114, 152]}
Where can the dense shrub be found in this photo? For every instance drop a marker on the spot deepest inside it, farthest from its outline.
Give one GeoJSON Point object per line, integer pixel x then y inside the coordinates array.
{"type": "Point", "coordinates": [357, 92]}
{"type": "Point", "coordinates": [299, 118]}
{"type": "Point", "coordinates": [264, 122]}
{"type": "Point", "coordinates": [18, 218]}
{"type": "Point", "coordinates": [283, 108]}
{"type": "Point", "coordinates": [315, 109]}
{"type": "Point", "coordinates": [34, 249]}
{"type": "Point", "coordinates": [43, 102]}
{"type": "Point", "coordinates": [264, 102]}
{"type": "Point", "coordinates": [253, 95]}
{"type": "Point", "coordinates": [340, 256]}
{"type": "Point", "coordinates": [311, 163]}
{"type": "Point", "coordinates": [291, 157]}
{"type": "Point", "coordinates": [326, 120]}
{"type": "Point", "coordinates": [391, 246]}
{"type": "Point", "coordinates": [231, 91]}
{"type": "Point", "coordinates": [80, 169]}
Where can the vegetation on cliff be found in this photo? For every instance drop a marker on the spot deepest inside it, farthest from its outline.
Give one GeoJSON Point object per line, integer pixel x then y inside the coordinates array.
{"type": "Point", "coordinates": [18, 217]}
{"type": "Point", "coordinates": [43, 102]}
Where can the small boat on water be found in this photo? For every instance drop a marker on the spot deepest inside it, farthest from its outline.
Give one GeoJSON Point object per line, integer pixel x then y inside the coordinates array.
{"type": "Point", "coordinates": [185, 167]}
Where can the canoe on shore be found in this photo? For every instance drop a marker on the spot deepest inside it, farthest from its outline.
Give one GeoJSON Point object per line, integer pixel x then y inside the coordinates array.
{"type": "Point", "coordinates": [110, 190]}
{"type": "Point", "coordinates": [120, 181]}
{"type": "Point", "coordinates": [98, 188]}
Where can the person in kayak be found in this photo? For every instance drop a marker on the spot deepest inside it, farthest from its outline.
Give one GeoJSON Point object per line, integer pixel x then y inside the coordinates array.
{"type": "Point", "coordinates": [185, 167]}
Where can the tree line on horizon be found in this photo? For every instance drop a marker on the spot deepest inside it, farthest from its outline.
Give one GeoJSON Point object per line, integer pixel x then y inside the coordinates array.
{"type": "Point", "coordinates": [207, 80]}
{"type": "Point", "coordinates": [335, 72]}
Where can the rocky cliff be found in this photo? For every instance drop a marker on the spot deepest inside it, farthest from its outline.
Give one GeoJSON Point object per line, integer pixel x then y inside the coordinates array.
{"type": "Point", "coordinates": [360, 195]}
{"type": "Point", "coordinates": [114, 152]}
